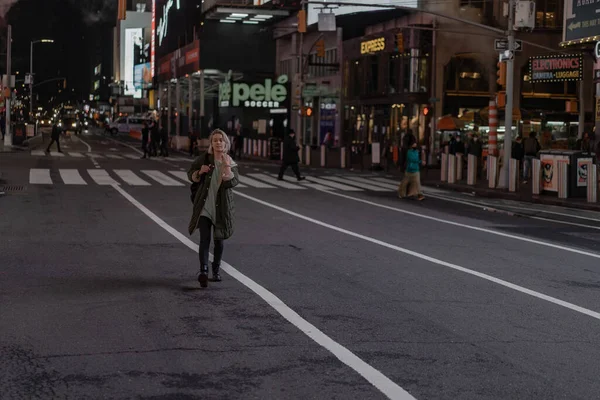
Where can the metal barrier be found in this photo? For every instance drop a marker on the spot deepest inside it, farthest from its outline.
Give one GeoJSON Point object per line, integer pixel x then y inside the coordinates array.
{"type": "Point", "coordinates": [513, 177]}
{"type": "Point", "coordinates": [459, 167]}
{"type": "Point", "coordinates": [307, 156]}
{"type": "Point", "coordinates": [492, 171]}
{"type": "Point", "coordinates": [444, 166]}
{"type": "Point", "coordinates": [536, 176]}
{"type": "Point", "coordinates": [592, 182]}
{"type": "Point", "coordinates": [343, 157]}
{"type": "Point", "coordinates": [265, 151]}
{"type": "Point", "coordinates": [471, 170]}
{"type": "Point", "coordinates": [451, 168]}
{"type": "Point", "coordinates": [563, 179]}
{"type": "Point", "coordinates": [323, 154]}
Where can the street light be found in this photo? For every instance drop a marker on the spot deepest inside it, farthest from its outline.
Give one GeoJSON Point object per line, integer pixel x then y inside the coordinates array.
{"type": "Point", "coordinates": [31, 72]}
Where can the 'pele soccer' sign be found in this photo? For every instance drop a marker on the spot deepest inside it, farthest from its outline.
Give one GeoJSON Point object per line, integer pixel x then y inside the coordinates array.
{"type": "Point", "coordinates": [267, 94]}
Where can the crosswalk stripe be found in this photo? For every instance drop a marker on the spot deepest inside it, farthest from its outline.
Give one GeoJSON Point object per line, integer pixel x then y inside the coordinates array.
{"type": "Point", "coordinates": [38, 153]}
{"type": "Point", "coordinates": [273, 181]}
{"type": "Point", "coordinates": [40, 176]}
{"type": "Point", "coordinates": [334, 185]}
{"type": "Point", "coordinates": [130, 178]}
{"type": "Point", "coordinates": [162, 178]}
{"type": "Point", "coordinates": [317, 186]}
{"type": "Point", "coordinates": [76, 155]}
{"type": "Point", "coordinates": [71, 177]}
{"type": "Point", "coordinates": [254, 183]}
{"type": "Point", "coordinates": [372, 182]}
{"type": "Point", "coordinates": [132, 156]}
{"type": "Point", "coordinates": [56, 154]}
{"type": "Point", "coordinates": [116, 157]}
{"type": "Point", "coordinates": [181, 175]}
{"type": "Point", "coordinates": [92, 155]}
{"type": "Point", "coordinates": [101, 177]}
{"type": "Point", "coordinates": [357, 184]}
{"type": "Point", "coordinates": [390, 181]}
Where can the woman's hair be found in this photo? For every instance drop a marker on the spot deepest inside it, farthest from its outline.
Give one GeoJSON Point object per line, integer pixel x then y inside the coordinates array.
{"type": "Point", "coordinates": [225, 139]}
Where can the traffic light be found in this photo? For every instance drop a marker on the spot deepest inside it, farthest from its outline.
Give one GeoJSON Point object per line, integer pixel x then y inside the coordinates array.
{"type": "Point", "coordinates": [399, 42]}
{"type": "Point", "coordinates": [501, 99]}
{"type": "Point", "coordinates": [64, 83]}
{"type": "Point", "coordinates": [426, 110]}
{"type": "Point", "coordinates": [320, 48]}
{"type": "Point", "coordinates": [308, 112]}
{"type": "Point", "coordinates": [501, 73]}
{"type": "Point", "coordinates": [302, 21]}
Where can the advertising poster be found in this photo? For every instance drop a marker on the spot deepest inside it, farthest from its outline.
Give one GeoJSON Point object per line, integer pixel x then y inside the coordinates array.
{"type": "Point", "coordinates": [550, 171]}
{"type": "Point", "coordinates": [582, 172]}
{"type": "Point", "coordinates": [142, 77]}
{"type": "Point", "coordinates": [327, 123]}
{"type": "Point", "coordinates": [133, 37]}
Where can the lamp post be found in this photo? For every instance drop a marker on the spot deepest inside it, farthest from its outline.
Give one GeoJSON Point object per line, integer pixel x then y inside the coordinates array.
{"type": "Point", "coordinates": [31, 72]}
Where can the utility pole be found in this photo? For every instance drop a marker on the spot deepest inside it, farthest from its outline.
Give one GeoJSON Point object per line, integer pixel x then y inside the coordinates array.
{"type": "Point", "coordinates": [510, 83]}
{"type": "Point", "coordinates": [300, 134]}
{"type": "Point", "coordinates": [8, 135]}
{"type": "Point", "coordinates": [31, 82]}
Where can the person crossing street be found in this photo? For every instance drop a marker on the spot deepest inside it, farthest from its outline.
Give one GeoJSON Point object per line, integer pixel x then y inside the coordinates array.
{"type": "Point", "coordinates": [55, 136]}
{"type": "Point", "coordinates": [290, 156]}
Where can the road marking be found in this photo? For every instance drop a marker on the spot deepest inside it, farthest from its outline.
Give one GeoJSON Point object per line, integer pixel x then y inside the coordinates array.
{"type": "Point", "coordinates": [274, 181]}
{"type": "Point", "coordinates": [84, 142]}
{"type": "Point", "coordinates": [40, 176]}
{"type": "Point", "coordinates": [71, 177]}
{"type": "Point", "coordinates": [333, 184]}
{"type": "Point", "coordinates": [358, 184]}
{"type": "Point", "coordinates": [315, 186]}
{"type": "Point", "coordinates": [475, 228]}
{"type": "Point", "coordinates": [76, 155]}
{"type": "Point", "coordinates": [126, 145]}
{"type": "Point", "coordinates": [553, 213]}
{"type": "Point", "coordinates": [181, 175]}
{"type": "Point", "coordinates": [371, 182]}
{"type": "Point", "coordinates": [131, 156]}
{"type": "Point", "coordinates": [38, 153]}
{"type": "Point", "coordinates": [372, 375]}
{"type": "Point", "coordinates": [254, 183]}
{"type": "Point", "coordinates": [433, 260]}
{"type": "Point", "coordinates": [130, 178]}
{"type": "Point", "coordinates": [94, 155]}
{"type": "Point", "coordinates": [114, 156]}
{"type": "Point", "coordinates": [101, 177]}
{"type": "Point", "coordinates": [56, 154]}
{"type": "Point", "coordinates": [390, 181]}
{"type": "Point", "coordinates": [162, 178]}
{"type": "Point", "coordinates": [93, 159]}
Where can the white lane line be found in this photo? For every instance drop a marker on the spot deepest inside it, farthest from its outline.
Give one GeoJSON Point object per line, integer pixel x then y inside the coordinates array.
{"type": "Point", "coordinates": [474, 228]}
{"type": "Point", "coordinates": [71, 177]}
{"type": "Point", "coordinates": [161, 178]}
{"type": "Point", "coordinates": [76, 154]}
{"type": "Point", "coordinates": [101, 177]}
{"type": "Point", "coordinates": [40, 176]}
{"type": "Point", "coordinates": [371, 182]}
{"type": "Point", "coordinates": [114, 156]}
{"type": "Point", "coordinates": [130, 178]}
{"type": "Point", "coordinates": [357, 184]}
{"type": "Point", "coordinates": [372, 375]}
{"type": "Point", "coordinates": [433, 260]}
{"type": "Point", "coordinates": [275, 182]}
{"type": "Point", "coordinates": [334, 185]}
{"type": "Point", "coordinates": [56, 154]}
{"type": "Point", "coordinates": [93, 159]}
{"type": "Point", "coordinates": [38, 153]}
{"type": "Point", "coordinates": [126, 145]}
{"type": "Point", "coordinates": [84, 142]}
{"type": "Point", "coordinates": [254, 183]}
{"type": "Point", "coordinates": [553, 213]}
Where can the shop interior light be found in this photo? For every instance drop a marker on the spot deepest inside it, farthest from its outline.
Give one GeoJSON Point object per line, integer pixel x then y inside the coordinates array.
{"type": "Point", "coordinates": [239, 15]}
{"type": "Point", "coordinates": [228, 21]}
{"type": "Point", "coordinates": [250, 22]}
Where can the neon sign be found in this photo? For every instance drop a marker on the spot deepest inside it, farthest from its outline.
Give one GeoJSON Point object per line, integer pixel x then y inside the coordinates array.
{"type": "Point", "coordinates": [164, 20]}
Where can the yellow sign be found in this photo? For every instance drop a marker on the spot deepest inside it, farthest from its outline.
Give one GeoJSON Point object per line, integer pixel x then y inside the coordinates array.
{"type": "Point", "coordinates": [372, 46]}
{"type": "Point", "coordinates": [598, 109]}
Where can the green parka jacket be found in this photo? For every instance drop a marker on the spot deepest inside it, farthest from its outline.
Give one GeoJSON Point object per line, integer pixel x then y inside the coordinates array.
{"type": "Point", "coordinates": [224, 225]}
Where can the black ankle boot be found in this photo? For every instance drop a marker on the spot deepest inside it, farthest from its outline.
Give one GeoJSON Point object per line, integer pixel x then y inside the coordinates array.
{"type": "Point", "coordinates": [203, 276]}
{"type": "Point", "coordinates": [215, 270]}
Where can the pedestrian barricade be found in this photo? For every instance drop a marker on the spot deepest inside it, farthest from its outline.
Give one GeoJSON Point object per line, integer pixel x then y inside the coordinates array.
{"type": "Point", "coordinates": [563, 179]}
{"type": "Point", "coordinates": [459, 167]}
{"type": "Point", "coordinates": [513, 175]}
{"type": "Point", "coordinates": [343, 157]}
{"type": "Point", "coordinates": [592, 182]}
{"type": "Point", "coordinates": [307, 157]}
{"type": "Point", "coordinates": [492, 171]}
{"type": "Point", "coordinates": [471, 170]}
{"type": "Point", "coordinates": [323, 154]}
{"type": "Point", "coordinates": [536, 176]}
{"type": "Point", "coordinates": [444, 174]}
{"type": "Point", "coordinates": [265, 148]}
{"type": "Point", "coordinates": [451, 168]}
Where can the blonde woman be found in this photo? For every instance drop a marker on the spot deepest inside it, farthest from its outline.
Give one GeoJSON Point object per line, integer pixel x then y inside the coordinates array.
{"type": "Point", "coordinates": [213, 174]}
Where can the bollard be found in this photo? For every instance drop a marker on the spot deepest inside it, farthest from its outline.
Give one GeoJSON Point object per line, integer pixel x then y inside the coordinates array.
{"type": "Point", "coordinates": [300, 153]}
{"type": "Point", "coordinates": [343, 157]}
{"type": "Point", "coordinates": [492, 171]}
{"type": "Point", "coordinates": [471, 170]}
{"type": "Point", "coordinates": [245, 146]}
{"type": "Point", "coordinates": [451, 168]}
{"type": "Point", "coordinates": [513, 177]}
{"type": "Point", "coordinates": [459, 167]}
{"type": "Point", "coordinates": [265, 149]}
{"type": "Point", "coordinates": [323, 152]}
{"type": "Point", "coordinates": [307, 158]}
{"type": "Point", "coordinates": [444, 173]}
{"type": "Point", "coordinates": [563, 179]}
{"type": "Point", "coordinates": [281, 151]}
{"type": "Point", "coordinates": [536, 176]}
{"type": "Point", "coordinates": [592, 183]}
{"type": "Point", "coordinates": [260, 154]}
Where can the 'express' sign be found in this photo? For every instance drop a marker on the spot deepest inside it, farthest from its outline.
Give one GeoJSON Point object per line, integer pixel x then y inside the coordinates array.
{"type": "Point", "coordinates": [561, 68]}
{"type": "Point", "coordinates": [372, 46]}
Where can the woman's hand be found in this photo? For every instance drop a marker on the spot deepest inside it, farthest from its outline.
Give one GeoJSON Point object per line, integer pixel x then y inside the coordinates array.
{"type": "Point", "coordinates": [198, 174]}
{"type": "Point", "coordinates": [204, 169]}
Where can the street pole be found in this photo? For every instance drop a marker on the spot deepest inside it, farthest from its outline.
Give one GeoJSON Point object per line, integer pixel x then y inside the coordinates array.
{"type": "Point", "coordinates": [508, 122]}
{"type": "Point", "coordinates": [8, 134]}
{"type": "Point", "coordinates": [31, 81]}
{"type": "Point", "coordinates": [300, 135]}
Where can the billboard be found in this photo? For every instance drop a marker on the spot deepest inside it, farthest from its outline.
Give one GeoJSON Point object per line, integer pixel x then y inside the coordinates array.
{"type": "Point", "coordinates": [369, 5]}
{"type": "Point", "coordinates": [142, 77]}
{"type": "Point", "coordinates": [137, 57]}
{"type": "Point", "coordinates": [582, 20]}
{"type": "Point", "coordinates": [556, 68]}
{"type": "Point", "coordinates": [175, 22]}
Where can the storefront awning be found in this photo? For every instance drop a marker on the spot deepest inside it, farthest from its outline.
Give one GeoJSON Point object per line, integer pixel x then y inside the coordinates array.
{"type": "Point", "coordinates": [449, 123]}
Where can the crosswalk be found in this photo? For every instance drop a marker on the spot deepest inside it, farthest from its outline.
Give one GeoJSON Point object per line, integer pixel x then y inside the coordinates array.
{"type": "Point", "coordinates": [173, 178]}
{"type": "Point", "coordinates": [108, 156]}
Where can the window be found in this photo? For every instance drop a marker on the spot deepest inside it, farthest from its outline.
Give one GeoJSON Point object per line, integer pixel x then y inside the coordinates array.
{"type": "Point", "coordinates": [372, 74]}
{"type": "Point", "coordinates": [323, 70]}
{"type": "Point", "coordinates": [285, 67]}
{"type": "Point", "coordinates": [548, 14]}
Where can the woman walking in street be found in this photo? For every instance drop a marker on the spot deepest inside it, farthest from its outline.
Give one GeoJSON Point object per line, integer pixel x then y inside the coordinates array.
{"type": "Point", "coordinates": [213, 175]}
{"type": "Point", "coordinates": [412, 176]}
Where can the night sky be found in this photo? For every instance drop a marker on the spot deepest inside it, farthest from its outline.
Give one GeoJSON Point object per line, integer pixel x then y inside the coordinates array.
{"type": "Point", "coordinates": [78, 28]}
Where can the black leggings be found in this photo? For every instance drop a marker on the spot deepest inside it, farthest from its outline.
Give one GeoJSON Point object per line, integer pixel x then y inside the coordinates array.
{"type": "Point", "coordinates": [205, 226]}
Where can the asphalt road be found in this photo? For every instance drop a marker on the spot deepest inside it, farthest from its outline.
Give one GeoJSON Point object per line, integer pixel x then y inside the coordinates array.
{"type": "Point", "coordinates": [329, 293]}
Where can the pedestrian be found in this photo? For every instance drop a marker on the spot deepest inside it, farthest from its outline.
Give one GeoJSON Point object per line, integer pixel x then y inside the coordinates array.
{"type": "Point", "coordinates": [414, 160]}
{"type": "Point", "coordinates": [517, 152]}
{"type": "Point", "coordinates": [290, 156]}
{"type": "Point", "coordinates": [476, 149]}
{"type": "Point", "coordinates": [145, 133]}
{"type": "Point", "coordinates": [55, 136]}
{"type": "Point", "coordinates": [214, 175]}
{"type": "Point", "coordinates": [164, 142]}
{"type": "Point", "coordinates": [154, 139]}
{"type": "Point", "coordinates": [531, 147]}
{"type": "Point", "coordinates": [584, 144]}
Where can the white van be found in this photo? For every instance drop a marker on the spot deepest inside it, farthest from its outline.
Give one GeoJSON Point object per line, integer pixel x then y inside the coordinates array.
{"type": "Point", "coordinates": [127, 124]}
